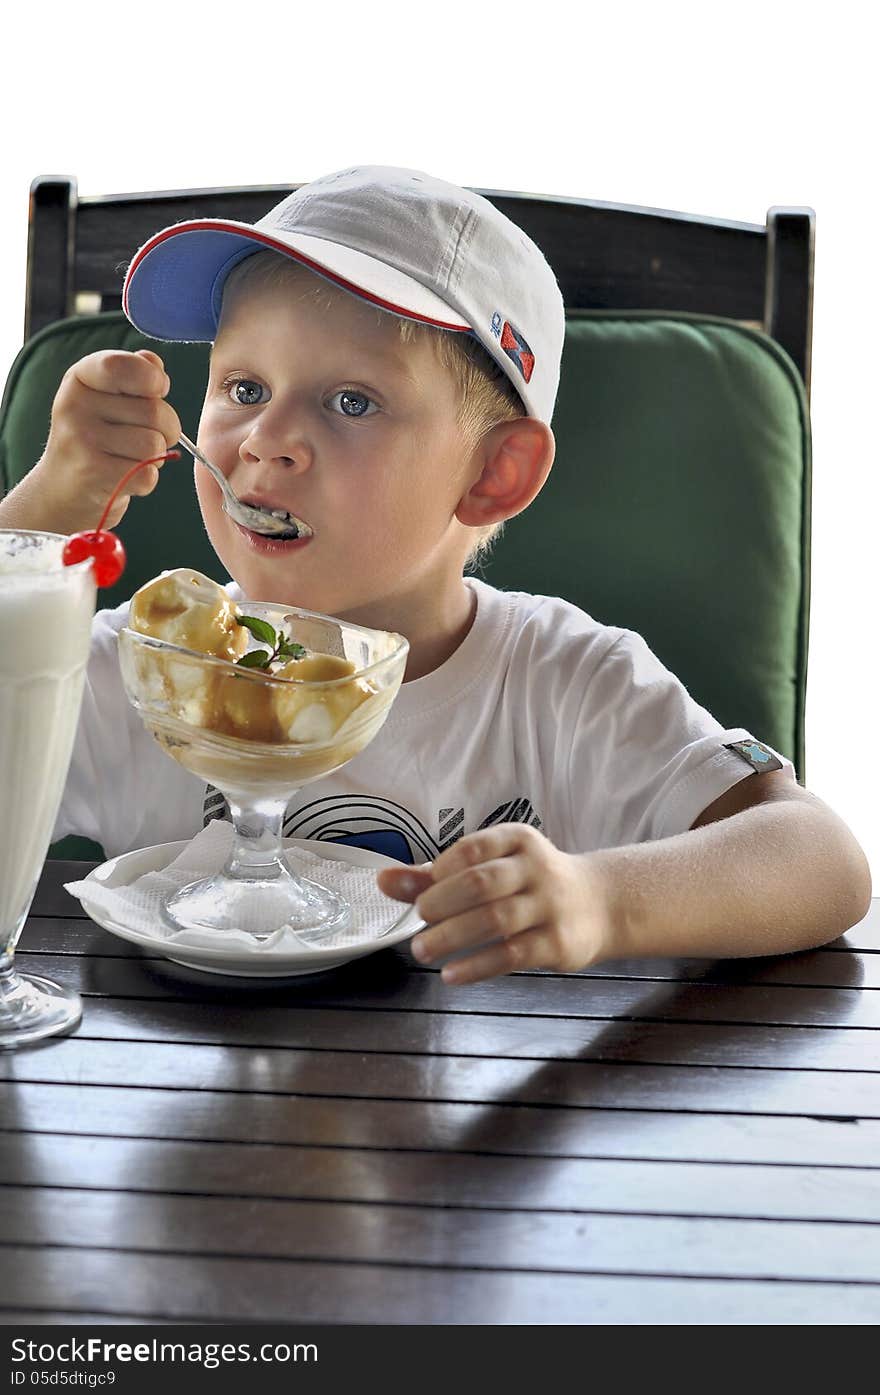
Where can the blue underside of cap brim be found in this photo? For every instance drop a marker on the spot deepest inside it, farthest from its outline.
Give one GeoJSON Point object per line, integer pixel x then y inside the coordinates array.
{"type": "Point", "coordinates": [175, 292]}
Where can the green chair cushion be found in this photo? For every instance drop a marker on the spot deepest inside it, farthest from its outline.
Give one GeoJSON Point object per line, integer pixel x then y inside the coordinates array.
{"type": "Point", "coordinates": [678, 506]}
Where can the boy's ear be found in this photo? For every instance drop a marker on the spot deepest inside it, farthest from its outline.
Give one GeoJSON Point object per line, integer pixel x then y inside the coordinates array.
{"type": "Point", "coordinates": [514, 460]}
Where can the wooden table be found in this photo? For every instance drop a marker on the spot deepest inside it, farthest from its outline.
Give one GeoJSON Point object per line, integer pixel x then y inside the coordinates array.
{"type": "Point", "coordinates": [676, 1142]}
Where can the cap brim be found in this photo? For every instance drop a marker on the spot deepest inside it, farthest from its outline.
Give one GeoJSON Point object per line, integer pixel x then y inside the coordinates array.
{"type": "Point", "coordinates": [174, 286]}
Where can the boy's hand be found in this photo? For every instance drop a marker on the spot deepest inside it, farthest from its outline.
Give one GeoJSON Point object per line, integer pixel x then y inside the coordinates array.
{"type": "Point", "coordinates": [108, 413]}
{"type": "Point", "coordinates": [509, 885]}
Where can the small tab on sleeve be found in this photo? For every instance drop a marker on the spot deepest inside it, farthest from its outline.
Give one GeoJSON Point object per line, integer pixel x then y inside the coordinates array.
{"type": "Point", "coordinates": [755, 754]}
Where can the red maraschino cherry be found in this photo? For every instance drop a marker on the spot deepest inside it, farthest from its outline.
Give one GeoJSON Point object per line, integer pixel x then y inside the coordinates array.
{"type": "Point", "coordinates": [102, 545]}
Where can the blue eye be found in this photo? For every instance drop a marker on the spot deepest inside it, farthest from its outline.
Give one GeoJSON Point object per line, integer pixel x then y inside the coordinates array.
{"type": "Point", "coordinates": [244, 391]}
{"type": "Point", "coordinates": [354, 404]}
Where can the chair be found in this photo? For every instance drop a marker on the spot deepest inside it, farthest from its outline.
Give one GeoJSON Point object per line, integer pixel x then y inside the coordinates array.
{"type": "Point", "coordinates": [679, 504]}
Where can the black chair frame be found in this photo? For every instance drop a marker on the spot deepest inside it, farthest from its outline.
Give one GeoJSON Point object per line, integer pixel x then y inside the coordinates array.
{"type": "Point", "coordinates": [606, 256]}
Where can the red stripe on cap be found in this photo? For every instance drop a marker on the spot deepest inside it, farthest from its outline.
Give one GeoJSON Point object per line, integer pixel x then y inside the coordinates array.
{"type": "Point", "coordinates": [219, 225]}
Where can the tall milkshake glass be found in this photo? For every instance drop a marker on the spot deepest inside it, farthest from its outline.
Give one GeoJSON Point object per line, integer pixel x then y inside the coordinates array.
{"type": "Point", "coordinates": [46, 613]}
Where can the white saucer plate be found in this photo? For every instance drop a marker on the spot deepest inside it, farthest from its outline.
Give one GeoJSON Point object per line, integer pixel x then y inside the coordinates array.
{"type": "Point", "coordinates": [272, 963]}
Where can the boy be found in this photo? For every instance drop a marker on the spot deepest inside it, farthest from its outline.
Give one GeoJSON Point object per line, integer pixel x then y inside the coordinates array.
{"type": "Point", "coordinates": [385, 360]}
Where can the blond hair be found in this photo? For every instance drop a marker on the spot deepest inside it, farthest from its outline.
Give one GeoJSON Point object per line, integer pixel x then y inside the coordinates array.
{"type": "Point", "coordinates": [486, 395]}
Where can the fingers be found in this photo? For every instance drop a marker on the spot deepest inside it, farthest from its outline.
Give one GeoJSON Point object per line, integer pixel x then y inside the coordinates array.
{"type": "Point", "coordinates": [151, 356]}
{"type": "Point", "coordinates": [143, 482]}
{"type": "Point", "coordinates": [140, 374]}
{"type": "Point", "coordinates": [109, 413]}
{"type": "Point", "coordinates": [123, 445]}
{"type": "Point", "coordinates": [531, 949]}
{"type": "Point", "coordinates": [492, 920]}
{"type": "Point", "coordinates": [125, 409]}
{"type": "Point", "coordinates": [113, 389]}
{"type": "Point", "coordinates": [486, 843]}
{"type": "Point", "coordinates": [404, 883]}
{"type": "Point", "coordinates": [120, 389]}
{"type": "Point", "coordinates": [481, 868]}
{"type": "Point", "coordinates": [482, 889]}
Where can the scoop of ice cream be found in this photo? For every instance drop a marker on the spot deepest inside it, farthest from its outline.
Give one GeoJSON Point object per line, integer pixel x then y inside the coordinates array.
{"type": "Point", "coordinates": [316, 714]}
{"type": "Point", "coordinates": [186, 608]}
{"type": "Point", "coordinates": [243, 708]}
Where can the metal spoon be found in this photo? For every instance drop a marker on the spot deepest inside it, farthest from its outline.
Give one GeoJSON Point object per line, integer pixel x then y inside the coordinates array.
{"type": "Point", "coordinates": [257, 520]}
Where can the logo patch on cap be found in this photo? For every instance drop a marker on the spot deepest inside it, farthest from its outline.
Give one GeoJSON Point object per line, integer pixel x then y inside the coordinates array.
{"type": "Point", "coordinates": [758, 756]}
{"type": "Point", "coordinates": [516, 348]}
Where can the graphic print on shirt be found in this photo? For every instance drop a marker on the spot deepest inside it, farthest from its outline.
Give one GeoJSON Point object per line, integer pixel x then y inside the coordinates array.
{"type": "Point", "coordinates": [380, 825]}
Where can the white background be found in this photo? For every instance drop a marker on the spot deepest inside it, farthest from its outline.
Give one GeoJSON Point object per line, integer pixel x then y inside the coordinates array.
{"type": "Point", "coordinates": [723, 111]}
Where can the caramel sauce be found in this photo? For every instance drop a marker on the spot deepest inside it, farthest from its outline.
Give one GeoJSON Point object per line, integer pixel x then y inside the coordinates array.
{"type": "Point", "coordinates": [253, 770]}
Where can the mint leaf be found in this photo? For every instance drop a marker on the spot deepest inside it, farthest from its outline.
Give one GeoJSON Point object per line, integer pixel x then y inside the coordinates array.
{"type": "Point", "coordinates": [260, 629]}
{"type": "Point", "coordinates": [257, 658]}
{"type": "Point", "coordinates": [289, 649]}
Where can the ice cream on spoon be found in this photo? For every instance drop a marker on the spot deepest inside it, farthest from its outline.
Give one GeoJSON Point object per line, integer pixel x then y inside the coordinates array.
{"type": "Point", "coordinates": [274, 523]}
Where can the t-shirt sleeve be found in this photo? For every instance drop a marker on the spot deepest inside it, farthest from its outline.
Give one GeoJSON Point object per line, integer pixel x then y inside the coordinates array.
{"type": "Point", "coordinates": [646, 759]}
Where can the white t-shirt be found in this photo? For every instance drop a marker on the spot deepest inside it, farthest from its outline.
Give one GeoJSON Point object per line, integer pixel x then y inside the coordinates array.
{"type": "Point", "coordinates": [541, 716]}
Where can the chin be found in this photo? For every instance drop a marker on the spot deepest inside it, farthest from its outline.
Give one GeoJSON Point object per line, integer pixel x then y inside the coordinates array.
{"type": "Point", "coordinates": [270, 582]}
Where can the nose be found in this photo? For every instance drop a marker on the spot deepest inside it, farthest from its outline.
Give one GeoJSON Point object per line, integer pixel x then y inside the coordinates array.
{"type": "Point", "coordinates": [271, 441]}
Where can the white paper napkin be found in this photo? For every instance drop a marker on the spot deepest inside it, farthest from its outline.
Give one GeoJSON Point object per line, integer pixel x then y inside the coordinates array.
{"type": "Point", "coordinates": [138, 904]}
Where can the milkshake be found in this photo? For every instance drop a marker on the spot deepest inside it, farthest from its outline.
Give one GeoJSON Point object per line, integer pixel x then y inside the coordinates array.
{"type": "Point", "coordinates": [46, 612]}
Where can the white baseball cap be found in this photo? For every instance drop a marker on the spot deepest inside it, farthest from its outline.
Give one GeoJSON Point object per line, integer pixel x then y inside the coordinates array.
{"type": "Point", "coordinates": [409, 243]}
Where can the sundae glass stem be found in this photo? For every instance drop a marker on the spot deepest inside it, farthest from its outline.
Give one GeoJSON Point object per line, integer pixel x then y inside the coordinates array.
{"type": "Point", "coordinates": [256, 847]}
{"type": "Point", "coordinates": [257, 892]}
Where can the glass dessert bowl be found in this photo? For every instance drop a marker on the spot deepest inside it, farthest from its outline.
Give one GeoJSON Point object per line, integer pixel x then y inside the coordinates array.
{"type": "Point", "coordinates": [258, 733]}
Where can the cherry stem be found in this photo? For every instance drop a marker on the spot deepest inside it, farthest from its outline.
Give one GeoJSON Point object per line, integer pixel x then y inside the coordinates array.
{"type": "Point", "coordinates": [154, 460]}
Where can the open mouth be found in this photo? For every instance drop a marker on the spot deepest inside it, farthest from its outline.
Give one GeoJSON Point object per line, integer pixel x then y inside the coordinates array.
{"type": "Point", "coordinates": [285, 527]}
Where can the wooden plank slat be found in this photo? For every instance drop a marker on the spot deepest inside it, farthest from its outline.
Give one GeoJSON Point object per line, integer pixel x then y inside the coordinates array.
{"type": "Point", "coordinates": [441, 1238]}
{"type": "Point", "coordinates": [508, 1037]}
{"type": "Point", "coordinates": [618, 1085]}
{"type": "Point", "coordinates": [30, 1317]}
{"type": "Point", "coordinates": [50, 898]}
{"type": "Point", "coordinates": [497, 1129]}
{"type": "Point", "coordinates": [381, 983]}
{"type": "Point", "coordinates": [821, 968]}
{"type": "Point", "coordinates": [223, 1290]}
{"type": "Point", "coordinates": [441, 1179]}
